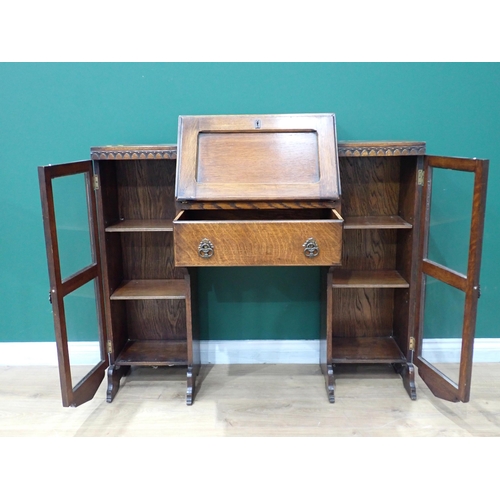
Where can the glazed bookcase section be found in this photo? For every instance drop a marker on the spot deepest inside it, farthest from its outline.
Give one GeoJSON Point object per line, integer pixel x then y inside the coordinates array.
{"type": "Point", "coordinates": [370, 291]}
{"type": "Point", "coordinates": [146, 294]}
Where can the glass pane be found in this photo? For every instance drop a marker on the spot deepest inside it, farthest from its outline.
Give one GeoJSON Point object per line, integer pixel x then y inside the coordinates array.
{"type": "Point", "coordinates": [450, 218]}
{"type": "Point", "coordinates": [83, 330]}
{"type": "Point", "coordinates": [443, 323]}
{"type": "Point", "coordinates": [72, 223]}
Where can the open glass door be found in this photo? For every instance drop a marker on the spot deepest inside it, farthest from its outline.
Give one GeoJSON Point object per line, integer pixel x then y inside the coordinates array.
{"type": "Point", "coordinates": [453, 203]}
{"type": "Point", "coordinates": [71, 237]}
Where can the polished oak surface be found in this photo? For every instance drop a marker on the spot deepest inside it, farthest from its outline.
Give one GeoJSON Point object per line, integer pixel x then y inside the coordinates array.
{"type": "Point", "coordinates": [257, 157]}
{"type": "Point", "coordinates": [258, 238]}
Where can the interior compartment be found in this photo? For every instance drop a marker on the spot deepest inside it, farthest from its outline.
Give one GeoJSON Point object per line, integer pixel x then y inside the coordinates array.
{"type": "Point", "coordinates": [370, 296]}
{"type": "Point", "coordinates": [146, 293]}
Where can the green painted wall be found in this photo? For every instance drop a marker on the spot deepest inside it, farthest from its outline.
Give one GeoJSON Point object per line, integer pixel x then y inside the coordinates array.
{"type": "Point", "coordinates": [53, 113]}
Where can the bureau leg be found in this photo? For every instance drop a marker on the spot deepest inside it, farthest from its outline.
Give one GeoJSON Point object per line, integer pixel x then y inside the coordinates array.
{"type": "Point", "coordinates": [192, 372]}
{"type": "Point", "coordinates": [329, 382]}
{"type": "Point", "coordinates": [407, 372]}
{"type": "Point", "coordinates": [115, 373]}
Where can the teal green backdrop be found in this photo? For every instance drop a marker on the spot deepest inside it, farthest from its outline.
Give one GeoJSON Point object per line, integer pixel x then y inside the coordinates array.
{"type": "Point", "coordinates": [54, 113]}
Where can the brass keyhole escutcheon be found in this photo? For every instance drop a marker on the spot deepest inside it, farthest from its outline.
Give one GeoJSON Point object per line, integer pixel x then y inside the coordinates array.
{"type": "Point", "coordinates": [311, 248]}
{"type": "Point", "coordinates": [205, 248]}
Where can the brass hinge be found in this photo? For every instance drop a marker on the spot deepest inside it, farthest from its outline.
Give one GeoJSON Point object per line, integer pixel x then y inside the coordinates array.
{"type": "Point", "coordinates": [109, 346]}
{"type": "Point", "coordinates": [96, 182]}
{"type": "Point", "coordinates": [420, 179]}
{"type": "Point", "coordinates": [412, 343]}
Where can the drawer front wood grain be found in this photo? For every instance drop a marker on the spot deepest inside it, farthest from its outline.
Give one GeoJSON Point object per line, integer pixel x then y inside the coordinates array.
{"type": "Point", "coordinates": [258, 243]}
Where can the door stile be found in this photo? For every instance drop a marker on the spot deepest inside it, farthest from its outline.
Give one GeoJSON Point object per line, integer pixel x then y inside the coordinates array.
{"type": "Point", "coordinates": [438, 382]}
{"type": "Point", "coordinates": [59, 288]}
{"type": "Point", "coordinates": [473, 276]}
{"type": "Point", "coordinates": [56, 294]}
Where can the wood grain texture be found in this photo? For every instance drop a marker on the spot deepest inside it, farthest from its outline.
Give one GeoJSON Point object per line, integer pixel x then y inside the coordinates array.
{"type": "Point", "coordinates": [366, 350]}
{"type": "Point", "coordinates": [370, 186]}
{"type": "Point", "coordinates": [362, 312]}
{"type": "Point", "coordinates": [156, 319]}
{"type": "Point", "coordinates": [146, 189]}
{"type": "Point", "coordinates": [346, 278]}
{"type": "Point", "coordinates": [258, 205]}
{"type": "Point", "coordinates": [150, 289]}
{"type": "Point", "coordinates": [148, 255]}
{"type": "Point", "coordinates": [257, 243]}
{"type": "Point", "coordinates": [150, 352]}
{"type": "Point", "coordinates": [266, 157]}
{"type": "Point", "coordinates": [369, 249]}
{"type": "Point", "coordinates": [263, 158]}
{"type": "Point", "coordinates": [376, 222]}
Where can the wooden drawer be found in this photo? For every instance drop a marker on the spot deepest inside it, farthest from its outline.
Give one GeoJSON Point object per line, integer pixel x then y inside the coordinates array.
{"type": "Point", "coordinates": [310, 237]}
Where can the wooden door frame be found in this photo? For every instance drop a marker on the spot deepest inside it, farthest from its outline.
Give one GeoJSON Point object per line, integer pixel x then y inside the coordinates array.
{"type": "Point", "coordinates": [440, 385]}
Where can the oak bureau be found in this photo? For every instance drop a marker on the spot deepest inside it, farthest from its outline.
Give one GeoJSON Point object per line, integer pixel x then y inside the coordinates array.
{"type": "Point", "coordinates": [257, 190]}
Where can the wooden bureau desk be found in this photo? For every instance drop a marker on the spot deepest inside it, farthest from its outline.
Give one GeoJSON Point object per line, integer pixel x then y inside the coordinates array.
{"type": "Point", "coordinates": [260, 190]}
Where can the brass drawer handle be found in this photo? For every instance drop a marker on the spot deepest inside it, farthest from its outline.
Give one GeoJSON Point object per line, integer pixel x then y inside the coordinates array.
{"type": "Point", "coordinates": [311, 248]}
{"type": "Point", "coordinates": [205, 248]}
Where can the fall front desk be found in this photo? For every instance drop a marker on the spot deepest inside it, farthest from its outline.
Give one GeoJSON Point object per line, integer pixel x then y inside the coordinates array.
{"type": "Point", "coordinates": [258, 190]}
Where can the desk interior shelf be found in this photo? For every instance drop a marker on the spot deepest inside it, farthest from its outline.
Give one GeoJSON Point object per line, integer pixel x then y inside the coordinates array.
{"type": "Point", "coordinates": [345, 278]}
{"type": "Point", "coordinates": [376, 222]}
{"type": "Point", "coordinates": [150, 289]}
{"type": "Point", "coordinates": [153, 352]}
{"type": "Point", "coordinates": [366, 350]}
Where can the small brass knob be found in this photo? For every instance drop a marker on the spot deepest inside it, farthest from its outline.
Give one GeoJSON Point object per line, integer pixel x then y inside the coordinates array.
{"type": "Point", "coordinates": [205, 248]}
{"type": "Point", "coordinates": [311, 248]}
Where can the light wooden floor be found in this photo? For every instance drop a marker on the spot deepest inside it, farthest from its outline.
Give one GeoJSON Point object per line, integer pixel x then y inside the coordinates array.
{"type": "Point", "coordinates": [248, 400]}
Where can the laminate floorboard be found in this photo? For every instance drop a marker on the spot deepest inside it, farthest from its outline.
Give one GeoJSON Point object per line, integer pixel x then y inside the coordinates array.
{"type": "Point", "coordinates": [248, 400]}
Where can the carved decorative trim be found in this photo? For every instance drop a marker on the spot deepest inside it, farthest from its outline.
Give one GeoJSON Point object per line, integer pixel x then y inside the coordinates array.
{"type": "Point", "coordinates": [114, 153]}
{"type": "Point", "coordinates": [344, 149]}
{"type": "Point", "coordinates": [381, 150]}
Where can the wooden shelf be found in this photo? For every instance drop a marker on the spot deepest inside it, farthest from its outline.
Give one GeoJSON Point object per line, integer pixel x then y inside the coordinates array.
{"type": "Point", "coordinates": [128, 226]}
{"type": "Point", "coordinates": [150, 289]}
{"type": "Point", "coordinates": [153, 353]}
{"type": "Point", "coordinates": [343, 278]}
{"type": "Point", "coordinates": [376, 222]}
{"type": "Point", "coordinates": [366, 350]}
